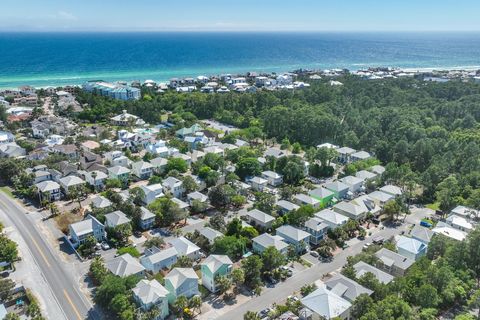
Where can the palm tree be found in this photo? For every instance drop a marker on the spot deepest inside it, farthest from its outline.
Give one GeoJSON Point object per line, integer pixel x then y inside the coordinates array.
{"type": "Point", "coordinates": [53, 209]}
{"type": "Point", "coordinates": [196, 303]}
{"type": "Point", "coordinates": [94, 176]}
{"type": "Point", "coordinates": [251, 315]}
{"type": "Point", "coordinates": [180, 305]}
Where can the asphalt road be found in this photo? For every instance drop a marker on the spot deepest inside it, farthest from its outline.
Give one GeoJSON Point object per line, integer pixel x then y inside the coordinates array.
{"type": "Point", "coordinates": [74, 304]}
{"type": "Point", "coordinates": [282, 290]}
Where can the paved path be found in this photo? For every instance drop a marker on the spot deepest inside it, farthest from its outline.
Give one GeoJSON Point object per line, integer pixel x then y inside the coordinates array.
{"type": "Point", "coordinates": [282, 290]}
{"type": "Point", "coordinates": [65, 289]}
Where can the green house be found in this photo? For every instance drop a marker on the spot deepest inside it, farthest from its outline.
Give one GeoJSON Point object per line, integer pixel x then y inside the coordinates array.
{"type": "Point", "coordinates": [120, 173]}
{"type": "Point", "coordinates": [214, 266]}
{"type": "Point", "coordinates": [323, 195]}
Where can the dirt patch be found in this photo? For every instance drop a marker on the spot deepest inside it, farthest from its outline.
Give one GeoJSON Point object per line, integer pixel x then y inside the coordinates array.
{"type": "Point", "coordinates": [65, 219]}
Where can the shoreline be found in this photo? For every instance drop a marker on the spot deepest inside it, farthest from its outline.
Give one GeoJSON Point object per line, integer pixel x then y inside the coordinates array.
{"type": "Point", "coordinates": [59, 81]}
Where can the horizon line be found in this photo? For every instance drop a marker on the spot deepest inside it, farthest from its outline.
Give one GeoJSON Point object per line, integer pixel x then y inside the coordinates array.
{"type": "Point", "coordinates": [232, 31]}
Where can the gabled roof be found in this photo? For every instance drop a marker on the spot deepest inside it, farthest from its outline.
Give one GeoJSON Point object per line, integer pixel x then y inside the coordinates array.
{"type": "Point", "coordinates": [446, 230]}
{"type": "Point", "coordinates": [47, 186]}
{"type": "Point", "coordinates": [117, 170]}
{"type": "Point", "coordinates": [146, 214]}
{"type": "Point", "coordinates": [214, 262]}
{"type": "Point", "coordinates": [124, 265]}
{"type": "Point", "coordinates": [85, 226]}
{"type": "Point", "coordinates": [410, 244]}
{"type": "Point", "coordinates": [457, 221]}
{"type": "Point", "coordinates": [391, 189]}
{"type": "Point", "coordinates": [316, 224]}
{"type": "Point", "coordinates": [155, 188]}
{"type": "Point", "coordinates": [326, 303]}
{"type": "Point", "coordinates": [380, 196]}
{"type": "Point", "coordinates": [266, 240]}
{"type": "Point", "coordinates": [365, 175]}
{"type": "Point", "coordinates": [197, 196]}
{"type": "Point", "coordinates": [306, 199]}
{"type": "Point", "coordinates": [210, 234]}
{"type": "Point", "coordinates": [320, 193]}
{"type": "Point", "coordinates": [293, 233]}
{"type": "Point", "coordinates": [171, 182]}
{"type": "Point", "coordinates": [346, 288]}
{"type": "Point", "coordinates": [361, 268]}
{"type": "Point", "coordinates": [361, 155]}
{"type": "Point", "coordinates": [336, 186]}
{"type": "Point", "coordinates": [179, 275]}
{"type": "Point", "coordinates": [351, 180]}
{"type": "Point", "coordinates": [260, 216]}
{"type": "Point", "coordinates": [116, 218]}
{"type": "Point", "coordinates": [184, 246]}
{"type": "Point", "coordinates": [331, 216]}
{"type": "Point", "coordinates": [155, 255]}
{"type": "Point", "coordinates": [141, 165]}
{"type": "Point", "coordinates": [271, 174]}
{"type": "Point", "coordinates": [378, 169]}
{"type": "Point", "coordinates": [100, 202]}
{"type": "Point", "coordinates": [284, 204]}
{"type": "Point", "coordinates": [258, 180]}
{"type": "Point", "coordinates": [350, 208]}
{"type": "Point", "coordinates": [159, 162]}
{"type": "Point", "coordinates": [465, 211]}
{"type": "Point", "coordinates": [346, 150]}
{"type": "Point", "coordinates": [71, 181]}
{"type": "Point", "coordinates": [149, 292]}
{"type": "Point", "coordinates": [421, 233]}
{"type": "Point", "coordinates": [390, 258]}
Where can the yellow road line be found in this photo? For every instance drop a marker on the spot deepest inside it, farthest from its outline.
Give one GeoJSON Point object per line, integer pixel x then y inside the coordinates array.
{"type": "Point", "coordinates": [40, 250]}
{"type": "Point", "coordinates": [73, 306]}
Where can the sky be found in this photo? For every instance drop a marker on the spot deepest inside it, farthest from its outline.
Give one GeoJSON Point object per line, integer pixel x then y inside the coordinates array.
{"type": "Point", "coordinates": [244, 15]}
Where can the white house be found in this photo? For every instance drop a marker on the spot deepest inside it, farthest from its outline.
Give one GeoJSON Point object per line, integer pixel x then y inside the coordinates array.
{"type": "Point", "coordinates": [181, 282]}
{"type": "Point", "coordinates": [196, 196]}
{"type": "Point", "coordinates": [147, 219]}
{"type": "Point", "coordinates": [81, 230]}
{"type": "Point", "coordinates": [325, 304]}
{"type": "Point", "coordinates": [265, 240]}
{"type": "Point", "coordinates": [125, 265]}
{"type": "Point", "coordinates": [258, 184]}
{"type": "Point", "coordinates": [159, 164]}
{"type": "Point", "coordinates": [304, 200]}
{"type": "Point", "coordinates": [49, 190]}
{"type": "Point", "coordinates": [294, 236]}
{"type": "Point", "coordinates": [354, 184]}
{"type": "Point", "coordinates": [100, 202]}
{"type": "Point", "coordinates": [115, 219]}
{"type": "Point", "coordinates": [351, 210]}
{"type": "Point", "coordinates": [173, 186]}
{"type": "Point", "coordinates": [96, 179]}
{"type": "Point", "coordinates": [143, 170]}
{"type": "Point", "coordinates": [259, 218]}
{"type": "Point", "coordinates": [317, 229]}
{"type": "Point", "coordinates": [151, 294]}
{"type": "Point", "coordinates": [70, 182]}
{"type": "Point", "coordinates": [410, 247]}
{"type": "Point", "coordinates": [185, 247]}
{"type": "Point", "coordinates": [274, 179]}
{"type": "Point", "coordinates": [152, 192]}
{"type": "Point", "coordinates": [331, 218]}
{"type": "Point", "coordinates": [155, 260]}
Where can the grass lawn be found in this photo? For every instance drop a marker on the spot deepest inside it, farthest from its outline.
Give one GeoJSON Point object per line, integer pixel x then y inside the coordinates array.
{"type": "Point", "coordinates": [64, 219]}
{"type": "Point", "coordinates": [433, 206]}
{"type": "Point", "coordinates": [7, 191]}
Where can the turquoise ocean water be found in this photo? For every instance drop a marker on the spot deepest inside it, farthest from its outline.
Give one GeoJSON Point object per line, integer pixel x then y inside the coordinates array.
{"type": "Point", "coordinates": [45, 59]}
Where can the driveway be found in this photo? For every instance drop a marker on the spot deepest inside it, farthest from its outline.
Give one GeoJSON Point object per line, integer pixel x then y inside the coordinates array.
{"type": "Point", "coordinates": [292, 285]}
